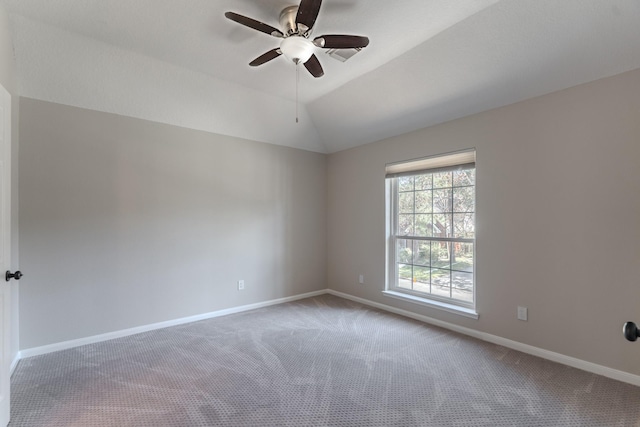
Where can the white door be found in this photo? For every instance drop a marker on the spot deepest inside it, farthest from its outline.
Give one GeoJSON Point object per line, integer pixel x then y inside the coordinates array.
{"type": "Point", "coordinates": [5, 252]}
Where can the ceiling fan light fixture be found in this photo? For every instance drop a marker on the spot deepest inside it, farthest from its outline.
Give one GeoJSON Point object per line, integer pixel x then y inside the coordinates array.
{"type": "Point", "coordinates": [296, 48]}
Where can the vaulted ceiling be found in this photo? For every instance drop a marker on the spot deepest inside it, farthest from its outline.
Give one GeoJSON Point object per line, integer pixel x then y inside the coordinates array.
{"type": "Point", "coordinates": [429, 61]}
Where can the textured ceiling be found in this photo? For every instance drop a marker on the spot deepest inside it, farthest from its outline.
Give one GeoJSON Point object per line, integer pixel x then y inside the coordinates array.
{"type": "Point", "coordinates": [429, 61]}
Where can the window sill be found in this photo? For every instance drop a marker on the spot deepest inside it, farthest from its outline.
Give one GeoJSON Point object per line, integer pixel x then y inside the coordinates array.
{"type": "Point", "coordinates": [450, 308]}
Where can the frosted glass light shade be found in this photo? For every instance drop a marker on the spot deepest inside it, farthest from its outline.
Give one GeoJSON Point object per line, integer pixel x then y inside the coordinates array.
{"type": "Point", "coordinates": [297, 48]}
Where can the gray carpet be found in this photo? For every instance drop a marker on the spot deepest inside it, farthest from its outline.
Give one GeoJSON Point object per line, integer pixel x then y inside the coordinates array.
{"type": "Point", "coordinates": [322, 361]}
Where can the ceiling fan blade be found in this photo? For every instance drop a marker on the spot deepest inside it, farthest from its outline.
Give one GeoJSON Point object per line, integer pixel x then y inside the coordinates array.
{"type": "Point", "coordinates": [252, 23]}
{"type": "Point", "coordinates": [308, 12]}
{"type": "Point", "coordinates": [266, 57]}
{"type": "Point", "coordinates": [314, 67]}
{"type": "Point", "coordinates": [337, 41]}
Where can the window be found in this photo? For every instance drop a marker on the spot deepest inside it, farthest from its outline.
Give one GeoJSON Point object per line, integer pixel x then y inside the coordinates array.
{"type": "Point", "coordinates": [431, 213]}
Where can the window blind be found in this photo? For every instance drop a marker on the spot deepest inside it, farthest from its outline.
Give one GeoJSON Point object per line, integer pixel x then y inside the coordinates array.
{"type": "Point", "coordinates": [454, 161]}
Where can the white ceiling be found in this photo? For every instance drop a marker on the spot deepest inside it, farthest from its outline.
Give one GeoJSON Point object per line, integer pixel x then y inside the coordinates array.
{"type": "Point", "coordinates": [429, 61]}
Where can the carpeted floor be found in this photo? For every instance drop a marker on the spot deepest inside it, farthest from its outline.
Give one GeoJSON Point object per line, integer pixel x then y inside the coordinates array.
{"type": "Point", "coordinates": [322, 361]}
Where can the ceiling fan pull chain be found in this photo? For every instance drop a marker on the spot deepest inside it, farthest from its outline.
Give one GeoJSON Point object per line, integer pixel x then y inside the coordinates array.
{"type": "Point", "coordinates": [297, 85]}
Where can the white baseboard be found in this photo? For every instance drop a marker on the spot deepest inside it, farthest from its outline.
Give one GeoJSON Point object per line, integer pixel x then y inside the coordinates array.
{"type": "Point", "coordinates": [37, 351]}
{"type": "Point", "coordinates": [515, 345]}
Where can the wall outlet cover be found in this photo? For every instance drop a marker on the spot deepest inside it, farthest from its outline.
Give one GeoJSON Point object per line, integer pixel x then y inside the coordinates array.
{"type": "Point", "coordinates": [522, 313]}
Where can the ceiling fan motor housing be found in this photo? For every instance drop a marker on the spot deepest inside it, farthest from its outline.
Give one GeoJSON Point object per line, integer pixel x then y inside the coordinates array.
{"type": "Point", "coordinates": [295, 46]}
{"type": "Point", "coordinates": [288, 20]}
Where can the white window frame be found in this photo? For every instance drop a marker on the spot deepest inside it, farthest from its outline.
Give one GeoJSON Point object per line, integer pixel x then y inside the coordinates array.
{"type": "Point", "coordinates": [434, 164]}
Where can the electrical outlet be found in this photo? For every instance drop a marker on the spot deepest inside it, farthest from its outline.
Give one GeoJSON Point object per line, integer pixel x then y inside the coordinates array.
{"type": "Point", "coordinates": [522, 313]}
{"type": "Point", "coordinates": [241, 285]}
{"type": "Point", "coordinates": [361, 279]}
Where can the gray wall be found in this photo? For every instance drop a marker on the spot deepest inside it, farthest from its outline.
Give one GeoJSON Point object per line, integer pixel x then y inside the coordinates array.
{"type": "Point", "coordinates": [558, 206]}
{"type": "Point", "coordinates": [8, 81]}
{"type": "Point", "coordinates": [126, 222]}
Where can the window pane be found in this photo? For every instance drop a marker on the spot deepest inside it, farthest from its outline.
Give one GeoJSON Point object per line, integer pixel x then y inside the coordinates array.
{"type": "Point", "coordinates": [463, 199]}
{"type": "Point", "coordinates": [423, 202]}
{"type": "Point", "coordinates": [464, 225]}
{"type": "Point", "coordinates": [463, 257]}
{"type": "Point", "coordinates": [440, 254]}
{"type": "Point", "coordinates": [405, 224]}
{"type": "Point", "coordinates": [424, 227]}
{"type": "Point", "coordinates": [442, 200]}
{"type": "Point", "coordinates": [465, 177]}
{"type": "Point", "coordinates": [405, 202]}
{"type": "Point", "coordinates": [440, 282]}
{"type": "Point", "coordinates": [439, 206]}
{"type": "Point", "coordinates": [404, 276]}
{"type": "Point", "coordinates": [424, 182]}
{"type": "Point", "coordinates": [422, 252]}
{"type": "Point", "coordinates": [404, 252]}
{"type": "Point", "coordinates": [442, 179]}
{"type": "Point", "coordinates": [462, 288]}
{"type": "Point", "coordinates": [421, 278]}
{"type": "Point", "coordinates": [442, 225]}
{"type": "Point", "coordinates": [405, 183]}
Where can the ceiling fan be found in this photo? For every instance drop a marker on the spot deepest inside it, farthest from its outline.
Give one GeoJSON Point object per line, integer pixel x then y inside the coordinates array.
{"type": "Point", "coordinates": [297, 24]}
